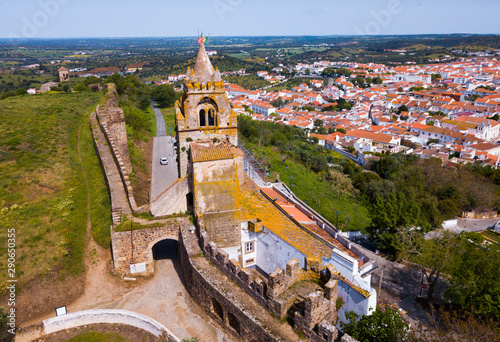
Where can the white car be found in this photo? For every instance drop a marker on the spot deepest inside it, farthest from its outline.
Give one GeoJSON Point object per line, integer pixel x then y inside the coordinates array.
{"type": "Point", "coordinates": [164, 161]}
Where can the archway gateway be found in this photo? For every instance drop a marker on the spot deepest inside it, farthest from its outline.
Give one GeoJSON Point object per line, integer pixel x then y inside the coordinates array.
{"type": "Point", "coordinates": [165, 249]}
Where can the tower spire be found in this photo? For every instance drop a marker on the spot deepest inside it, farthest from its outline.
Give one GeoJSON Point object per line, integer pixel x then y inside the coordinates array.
{"type": "Point", "coordinates": [203, 68]}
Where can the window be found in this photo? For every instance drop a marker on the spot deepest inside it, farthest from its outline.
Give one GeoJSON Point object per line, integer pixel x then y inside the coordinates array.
{"type": "Point", "coordinates": [249, 247]}
{"type": "Point", "coordinates": [202, 118]}
{"type": "Point", "coordinates": [211, 117]}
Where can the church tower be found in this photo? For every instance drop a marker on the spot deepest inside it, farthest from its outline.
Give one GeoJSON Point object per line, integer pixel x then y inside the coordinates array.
{"type": "Point", "coordinates": [203, 112]}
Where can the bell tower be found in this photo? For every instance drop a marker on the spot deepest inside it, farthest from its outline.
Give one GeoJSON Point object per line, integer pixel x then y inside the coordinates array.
{"type": "Point", "coordinates": [203, 112]}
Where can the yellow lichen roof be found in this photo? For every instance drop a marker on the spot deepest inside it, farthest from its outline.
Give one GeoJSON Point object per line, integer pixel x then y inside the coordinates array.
{"type": "Point", "coordinates": [291, 209]}
{"type": "Point", "coordinates": [202, 152]}
{"type": "Point", "coordinates": [255, 205]}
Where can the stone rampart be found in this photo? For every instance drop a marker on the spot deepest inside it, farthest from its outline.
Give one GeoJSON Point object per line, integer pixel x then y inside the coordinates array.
{"type": "Point", "coordinates": [112, 123]}
{"type": "Point", "coordinates": [96, 316]}
{"type": "Point", "coordinates": [226, 311]}
{"type": "Point", "coordinates": [323, 310]}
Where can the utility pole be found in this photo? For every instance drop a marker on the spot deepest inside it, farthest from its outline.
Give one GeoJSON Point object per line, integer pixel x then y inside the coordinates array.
{"type": "Point", "coordinates": [132, 240]}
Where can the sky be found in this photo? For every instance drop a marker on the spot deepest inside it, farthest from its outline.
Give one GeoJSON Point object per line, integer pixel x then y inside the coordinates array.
{"type": "Point", "coordinates": [174, 18]}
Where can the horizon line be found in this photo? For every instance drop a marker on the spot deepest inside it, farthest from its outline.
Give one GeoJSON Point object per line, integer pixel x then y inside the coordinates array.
{"type": "Point", "coordinates": [259, 36]}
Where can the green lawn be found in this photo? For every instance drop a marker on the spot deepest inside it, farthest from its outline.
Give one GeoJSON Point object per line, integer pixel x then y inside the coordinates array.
{"type": "Point", "coordinates": [42, 189]}
{"type": "Point", "coordinates": [169, 117]}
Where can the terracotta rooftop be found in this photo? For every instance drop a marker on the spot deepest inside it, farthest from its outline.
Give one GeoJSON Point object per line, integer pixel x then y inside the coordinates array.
{"type": "Point", "coordinates": [203, 152]}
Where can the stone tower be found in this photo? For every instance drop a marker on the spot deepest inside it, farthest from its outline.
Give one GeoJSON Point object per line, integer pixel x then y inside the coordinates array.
{"type": "Point", "coordinates": [204, 111]}
{"type": "Point", "coordinates": [63, 74]}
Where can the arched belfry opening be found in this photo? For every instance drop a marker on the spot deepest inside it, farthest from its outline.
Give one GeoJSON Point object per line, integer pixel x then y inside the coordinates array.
{"type": "Point", "coordinates": [166, 249]}
{"type": "Point", "coordinates": [211, 117]}
{"type": "Point", "coordinates": [203, 121]}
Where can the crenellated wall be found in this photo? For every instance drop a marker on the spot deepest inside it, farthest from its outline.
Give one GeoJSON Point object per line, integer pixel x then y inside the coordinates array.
{"type": "Point", "coordinates": [319, 308]}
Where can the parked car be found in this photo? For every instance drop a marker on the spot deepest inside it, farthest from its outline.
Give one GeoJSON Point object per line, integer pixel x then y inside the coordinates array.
{"type": "Point", "coordinates": [164, 161]}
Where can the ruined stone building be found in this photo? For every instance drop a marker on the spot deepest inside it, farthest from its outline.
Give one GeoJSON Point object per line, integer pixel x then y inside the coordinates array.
{"type": "Point", "coordinates": [63, 74]}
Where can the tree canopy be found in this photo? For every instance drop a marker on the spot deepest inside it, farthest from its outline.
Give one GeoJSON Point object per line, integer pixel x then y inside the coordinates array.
{"type": "Point", "coordinates": [383, 325]}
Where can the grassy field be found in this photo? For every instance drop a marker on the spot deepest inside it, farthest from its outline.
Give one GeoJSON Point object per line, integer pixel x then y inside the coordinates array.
{"type": "Point", "coordinates": [35, 81]}
{"type": "Point", "coordinates": [43, 195]}
{"type": "Point", "coordinates": [247, 81]}
{"type": "Point", "coordinates": [169, 116]}
{"type": "Point", "coordinates": [141, 127]}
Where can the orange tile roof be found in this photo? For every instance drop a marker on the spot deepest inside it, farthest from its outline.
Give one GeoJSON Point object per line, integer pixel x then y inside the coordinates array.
{"type": "Point", "coordinates": [202, 152]}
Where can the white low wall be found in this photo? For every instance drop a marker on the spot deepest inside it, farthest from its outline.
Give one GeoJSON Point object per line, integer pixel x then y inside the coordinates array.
{"type": "Point", "coordinates": [87, 317]}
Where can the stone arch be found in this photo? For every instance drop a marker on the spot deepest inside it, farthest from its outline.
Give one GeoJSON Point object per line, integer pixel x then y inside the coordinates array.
{"type": "Point", "coordinates": [209, 101]}
{"type": "Point", "coordinates": [165, 249]}
{"type": "Point", "coordinates": [152, 243]}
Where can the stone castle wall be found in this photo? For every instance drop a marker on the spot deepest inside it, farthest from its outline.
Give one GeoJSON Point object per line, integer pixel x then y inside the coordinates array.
{"type": "Point", "coordinates": [112, 123]}
{"type": "Point", "coordinates": [225, 311]}
{"type": "Point", "coordinates": [320, 307]}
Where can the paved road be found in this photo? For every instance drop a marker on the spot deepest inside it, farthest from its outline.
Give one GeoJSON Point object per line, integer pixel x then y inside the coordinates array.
{"type": "Point", "coordinates": [476, 225]}
{"type": "Point", "coordinates": [160, 121]}
{"type": "Point", "coordinates": [162, 175]}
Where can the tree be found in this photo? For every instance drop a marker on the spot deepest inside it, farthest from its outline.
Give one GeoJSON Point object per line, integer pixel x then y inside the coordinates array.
{"type": "Point", "coordinates": [494, 117]}
{"type": "Point", "coordinates": [80, 87]}
{"type": "Point", "coordinates": [432, 256]}
{"type": "Point", "coordinates": [377, 80]}
{"type": "Point", "coordinates": [455, 326]}
{"type": "Point", "coordinates": [383, 325]}
{"type": "Point", "coordinates": [278, 103]}
{"type": "Point", "coordinates": [318, 123]}
{"type": "Point", "coordinates": [341, 183]}
{"type": "Point", "coordinates": [164, 95]}
{"type": "Point", "coordinates": [475, 280]}
{"type": "Point", "coordinates": [401, 109]}
{"type": "Point", "coordinates": [435, 76]}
